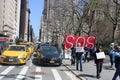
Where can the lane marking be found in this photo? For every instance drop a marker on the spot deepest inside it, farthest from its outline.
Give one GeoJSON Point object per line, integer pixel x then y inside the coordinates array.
{"type": "Point", "coordinates": [72, 77]}
{"type": "Point", "coordinates": [30, 62]}
{"type": "Point", "coordinates": [38, 76]}
{"type": "Point", "coordinates": [22, 73]}
{"type": "Point", "coordinates": [56, 74]}
{"type": "Point", "coordinates": [6, 71]}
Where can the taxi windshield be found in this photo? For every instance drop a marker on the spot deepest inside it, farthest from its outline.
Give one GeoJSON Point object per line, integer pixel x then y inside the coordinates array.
{"type": "Point", "coordinates": [16, 48]}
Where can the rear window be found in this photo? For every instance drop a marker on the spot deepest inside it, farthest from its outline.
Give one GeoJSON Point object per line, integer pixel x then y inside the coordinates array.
{"type": "Point", "coordinates": [49, 50]}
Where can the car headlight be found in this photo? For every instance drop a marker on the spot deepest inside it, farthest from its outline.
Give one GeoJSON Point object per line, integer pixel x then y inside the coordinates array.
{"type": "Point", "coordinates": [21, 56]}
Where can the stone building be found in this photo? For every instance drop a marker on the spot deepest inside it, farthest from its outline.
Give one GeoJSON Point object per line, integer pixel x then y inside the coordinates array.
{"type": "Point", "coordinates": [9, 18]}
{"type": "Point", "coordinates": [24, 20]}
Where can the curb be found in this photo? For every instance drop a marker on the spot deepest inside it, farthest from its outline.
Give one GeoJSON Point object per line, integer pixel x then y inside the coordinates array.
{"type": "Point", "coordinates": [81, 78]}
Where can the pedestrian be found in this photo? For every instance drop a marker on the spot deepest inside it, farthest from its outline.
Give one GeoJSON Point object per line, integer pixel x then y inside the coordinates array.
{"type": "Point", "coordinates": [73, 55]}
{"type": "Point", "coordinates": [38, 47]}
{"type": "Point", "coordinates": [0, 50]}
{"type": "Point", "coordinates": [87, 54]}
{"type": "Point", "coordinates": [98, 62]}
{"type": "Point", "coordinates": [111, 54]}
{"type": "Point", "coordinates": [63, 50]}
{"type": "Point", "coordinates": [117, 63]}
{"type": "Point", "coordinates": [79, 55]}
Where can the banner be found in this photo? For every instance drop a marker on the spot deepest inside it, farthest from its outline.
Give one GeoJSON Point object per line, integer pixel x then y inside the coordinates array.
{"type": "Point", "coordinates": [82, 40]}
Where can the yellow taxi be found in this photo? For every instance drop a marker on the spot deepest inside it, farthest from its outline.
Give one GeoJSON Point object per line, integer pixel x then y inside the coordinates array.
{"type": "Point", "coordinates": [15, 54]}
{"type": "Point", "coordinates": [32, 45]}
{"type": "Point", "coordinates": [29, 46]}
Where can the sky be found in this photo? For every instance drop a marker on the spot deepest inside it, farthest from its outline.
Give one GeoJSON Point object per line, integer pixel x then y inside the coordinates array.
{"type": "Point", "coordinates": [36, 8]}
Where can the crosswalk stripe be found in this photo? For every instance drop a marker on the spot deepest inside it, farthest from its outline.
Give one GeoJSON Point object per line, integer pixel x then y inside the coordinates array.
{"type": "Point", "coordinates": [2, 74]}
{"type": "Point", "coordinates": [38, 77]}
{"type": "Point", "coordinates": [56, 74]}
{"type": "Point", "coordinates": [22, 73]}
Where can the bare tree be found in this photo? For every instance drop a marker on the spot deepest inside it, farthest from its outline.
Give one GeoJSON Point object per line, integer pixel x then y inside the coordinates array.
{"type": "Point", "coordinates": [113, 14]}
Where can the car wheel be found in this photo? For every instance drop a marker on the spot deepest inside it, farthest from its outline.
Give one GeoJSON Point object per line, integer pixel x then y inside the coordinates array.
{"type": "Point", "coordinates": [59, 64]}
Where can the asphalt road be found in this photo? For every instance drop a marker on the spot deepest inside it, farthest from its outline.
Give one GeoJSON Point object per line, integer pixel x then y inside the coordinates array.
{"type": "Point", "coordinates": [32, 71]}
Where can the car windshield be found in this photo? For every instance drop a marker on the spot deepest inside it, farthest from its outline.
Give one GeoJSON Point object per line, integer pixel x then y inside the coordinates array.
{"type": "Point", "coordinates": [10, 43]}
{"type": "Point", "coordinates": [44, 44]}
{"type": "Point", "coordinates": [27, 45]}
{"type": "Point", "coordinates": [16, 48]}
{"type": "Point", "coordinates": [49, 50]}
{"type": "Point", "coordinates": [2, 42]}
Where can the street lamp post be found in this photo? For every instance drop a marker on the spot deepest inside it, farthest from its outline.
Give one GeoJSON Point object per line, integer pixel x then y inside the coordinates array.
{"type": "Point", "coordinates": [5, 32]}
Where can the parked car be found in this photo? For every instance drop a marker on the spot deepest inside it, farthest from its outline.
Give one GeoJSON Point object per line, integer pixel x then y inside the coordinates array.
{"type": "Point", "coordinates": [15, 54]}
{"type": "Point", "coordinates": [49, 55]}
{"type": "Point", "coordinates": [3, 46]}
{"type": "Point", "coordinates": [10, 43]}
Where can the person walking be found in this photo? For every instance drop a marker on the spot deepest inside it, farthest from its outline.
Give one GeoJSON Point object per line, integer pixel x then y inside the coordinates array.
{"type": "Point", "coordinates": [63, 51]}
{"type": "Point", "coordinates": [79, 53]}
{"type": "Point", "coordinates": [117, 63]}
{"type": "Point", "coordinates": [73, 55]}
{"type": "Point", "coordinates": [98, 62]}
{"type": "Point", "coordinates": [0, 50]}
{"type": "Point", "coordinates": [87, 54]}
{"type": "Point", "coordinates": [38, 47]}
{"type": "Point", "coordinates": [111, 54]}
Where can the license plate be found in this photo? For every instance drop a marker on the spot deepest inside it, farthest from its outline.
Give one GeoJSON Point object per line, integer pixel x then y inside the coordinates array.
{"type": "Point", "coordinates": [10, 60]}
{"type": "Point", "coordinates": [52, 62]}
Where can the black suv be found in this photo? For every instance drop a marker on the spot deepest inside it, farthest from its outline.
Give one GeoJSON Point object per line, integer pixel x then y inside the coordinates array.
{"type": "Point", "coordinates": [3, 46]}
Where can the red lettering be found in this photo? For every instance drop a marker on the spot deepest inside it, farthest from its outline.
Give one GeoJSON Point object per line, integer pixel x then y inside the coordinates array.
{"type": "Point", "coordinates": [69, 42]}
{"type": "Point", "coordinates": [82, 40]}
{"type": "Point", "coordinates": [90, 42]}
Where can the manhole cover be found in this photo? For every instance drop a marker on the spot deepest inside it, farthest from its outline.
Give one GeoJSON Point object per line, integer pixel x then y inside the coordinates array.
{"type": "Point", "coordinates": [38, 73]}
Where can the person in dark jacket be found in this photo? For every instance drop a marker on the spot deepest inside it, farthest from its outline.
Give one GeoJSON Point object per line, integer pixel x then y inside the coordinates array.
{"type": "Point", "coordinates": [111, 54]}
{"type": "Point", "coordinates": [98, 62]}
{"type": "Point", "coordinates": [73, 55]}
{"type": "Point", "coordinates": [0, 50]}
{"type": "Point", "coordinates": [38, 47]}
{"type": "Point", "coordinates": [79, 58]}
{"type": "Point", "coordinates": [87, 54]}
{"type": "Point", "coordinates": [117, 63]}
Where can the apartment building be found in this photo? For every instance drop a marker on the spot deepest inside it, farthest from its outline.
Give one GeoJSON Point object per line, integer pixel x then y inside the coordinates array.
{"type": "Point", "coordinates": [45, 21]}
{"type": "Point", "coordinates": [9, 18]}
{"type": "Point", "coordinates": [51, 22]}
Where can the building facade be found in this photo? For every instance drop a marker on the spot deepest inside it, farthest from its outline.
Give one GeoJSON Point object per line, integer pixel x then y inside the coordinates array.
{"type": "Point", "coordinates": [24, 20]}
{"type": "Point", "coordinates": [52, 18]}
{"type": "Point", "coordinates": [9, 18]}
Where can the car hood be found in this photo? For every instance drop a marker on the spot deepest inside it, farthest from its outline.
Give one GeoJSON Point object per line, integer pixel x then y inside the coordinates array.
{"type": "Point", "coordinates": [12, 53]}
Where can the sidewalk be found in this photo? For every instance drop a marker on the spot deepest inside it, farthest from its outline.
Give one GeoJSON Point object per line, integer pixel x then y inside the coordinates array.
{"type": "Point", "coordinates": [89, 70]}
